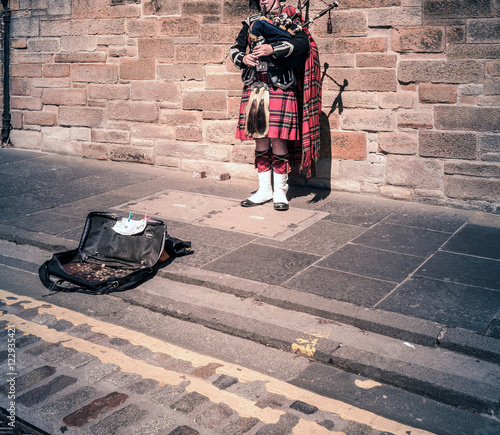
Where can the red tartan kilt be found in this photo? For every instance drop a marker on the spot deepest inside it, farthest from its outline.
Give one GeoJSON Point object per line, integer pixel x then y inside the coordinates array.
{"type": "Point", "coordinates": [283, 114]}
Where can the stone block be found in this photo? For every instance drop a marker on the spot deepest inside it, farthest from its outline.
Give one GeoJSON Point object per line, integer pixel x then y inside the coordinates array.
{"type": "Point", "coordinates": [177, 73]}
{"type": "Point", "coordinates": [110, 136]}
{"type": "Point", "coordinates": [152, 131]}
{"type": "Point", "coordinates": [69, 148]}
{"type": "Point", "coordinates": [483, 31]}
{"type": "Point", "coordinates": [109, 92]}
{"type": "Point", "coordinates": [77, 44]}
{"type": "Point", "coordinates": [26, 103]}
{"type": "Point", "coordinates": [49, 82]}
{"type": "Point", "coordinates": [489, 147]}
{"type": "Point", "coordinates": [418, 39]}
{"type": "Point", "coordinates": [26, 139]}
{"type": "Point", "coordinates": [348, 145]}
{"type": "Point", "coordinates": [95, 151]}
{"type": "Point", "coordinates": [194, 151]}
{"type": "Point", "coordinates": [109, 26]}
{"type": "Point", "coordinates": [99, 57]}
{"type": "Point", "coordinates": [189, 134]}
{"type": "Point", "coordinates": [393, 100]}
{"type": "Point", "coordinates": [80, 133]}
{"type": "Point", "coordinates": [141, 27]}
{"type": "Point", "coordinates": [455, 34]}
{"type": "Point", "coordinates": [56, 70]}
{"type": "Point", "coordinates": [473, 51]}
{"type": "Point", "coordinates": [224, 81]}
{"type": "Point", "coordinates": [205, 7]}
{"type": "Point", "coordinates": [204, 100]}
{"type": "Point", "coordinates": [25, 27]}
{"type": "Point", "coordinates": [392, 17]}
{"type": "Point", "coordinates": [180, 117]}
{"type": "Point", "coordinates": [40, 118]}
{"type": "Point", "coordinates": [398, 143]}
{"type": "Point", "coordinates": [367, 79]}
{"type": "Point", "coordinates": [20, 87]}
{"type": "Point", "coordinates": [65, 97]}
{"type": "Point", "coordinates": [49, 45]}
{"type": "Point", "coordinates": [95, 73]}
{"type": "Point", "coordinates": [61, 134]}
{"type": "Point", "coordinates": [396, 192]}
{"type": "Point", "coordinates": [137, 69]}
{"type": "Point", "coordinates": [435, 93]}
{"type": "Point", "coordinates": [345, 23]}
{"type": "Point", "coordinates": [91, 9]}
{"type": "Point", "coordinates": [447, 145]}
{"type": "Point", "coordinates": [416, 119]}
{"type": "Point", "coordinates": [219, 131]}
{"type": "Point", "coordinates": [81, 116]}
{"type": "Point", "coordinates": [180, 26]}
{"type": "Point", "coordinates": [473, 169]}
{"type": "Point", "coordinates": [360, 45]}
{"type": "Point", "coordinates": [440, 72]}
{"type": "Point", "coordinates": [493, 68]}
{"type": "Point", "coordinates": [199, 54]}
{"type": "Point", "coordinates": [131, 154]}
{"type": "Point", "coordinates": [156, 48]}
{"type": "Point", "coordinates": [162, 7]}
{"type": "Point", "coordinates": [445, 9]}
{"type": "Point", "coordinates": [63, 27]}
{"type": "Point", "coordinates": [126, 11]}
{"type": "Point", "coordinates": [486, 119]}
{"type": "Point", "coordinates": [414, 172]}
{"type": "Point", "coordinates": [376, 60]}
{"type": "Point", "coordinates": [368, 120]}
{"type": "Point", "coordinates": [492, 86]}
{"type": "Point", "coordinates": [471, 188]}
{"type": "Point", "coordinates": [155, 91]}
{"type": "Point", "coordinates": [364, 172]}
{"type": "Point", "coordinates": [26, 70]}
{"type": "Point", "coordinates": [140, 111]}
{"type": "Point", "coordinates": [219, 33]}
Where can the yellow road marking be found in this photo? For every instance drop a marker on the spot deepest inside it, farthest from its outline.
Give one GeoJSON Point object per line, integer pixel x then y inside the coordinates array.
{"type": "Point", "coordinates": [242, 406]}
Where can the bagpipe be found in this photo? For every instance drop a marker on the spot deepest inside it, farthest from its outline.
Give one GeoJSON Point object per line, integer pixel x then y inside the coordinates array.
{"type": "Point", "coordinates": [284, 27]}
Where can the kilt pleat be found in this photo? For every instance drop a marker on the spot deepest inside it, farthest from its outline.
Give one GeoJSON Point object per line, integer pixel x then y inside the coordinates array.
{"type": "Point", "coordinates": [283, 114]}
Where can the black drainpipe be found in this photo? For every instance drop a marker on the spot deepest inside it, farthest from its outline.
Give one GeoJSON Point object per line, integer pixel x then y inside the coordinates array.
{"type": "Point", "coordinates": [6, 125]}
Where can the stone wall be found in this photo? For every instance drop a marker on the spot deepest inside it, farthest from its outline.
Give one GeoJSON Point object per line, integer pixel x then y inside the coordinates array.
{"type": "Point", "coordinates": [411, 101]}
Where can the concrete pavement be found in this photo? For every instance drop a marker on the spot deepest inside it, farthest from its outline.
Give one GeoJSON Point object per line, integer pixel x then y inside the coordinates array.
{"type": "Point", "coordinates": [424, 276]}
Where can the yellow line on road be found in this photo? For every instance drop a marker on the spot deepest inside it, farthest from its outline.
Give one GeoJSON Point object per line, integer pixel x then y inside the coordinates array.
{"type": "Point", "coordinates": [242, 406]}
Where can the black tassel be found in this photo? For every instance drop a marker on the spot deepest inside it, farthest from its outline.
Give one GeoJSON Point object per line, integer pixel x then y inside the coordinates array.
{"type": "Point", "coordinates": [252, 118]}
{"type": "Point", "coordinates": [329, 26]}
{"type": "Point", "coordinates": [261, 118]}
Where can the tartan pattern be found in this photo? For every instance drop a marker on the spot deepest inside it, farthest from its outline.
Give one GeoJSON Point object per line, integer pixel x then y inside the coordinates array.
{"type": "Point", "coordinates": [281, 164]}
{"type": "Point", "coordinates": [283, 114]}
{"type": "Point", "coordinates": [263, 160]}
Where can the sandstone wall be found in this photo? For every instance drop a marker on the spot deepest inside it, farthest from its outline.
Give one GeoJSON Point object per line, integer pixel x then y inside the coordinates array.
{"type": "Point", "coordinates": [149, 81]}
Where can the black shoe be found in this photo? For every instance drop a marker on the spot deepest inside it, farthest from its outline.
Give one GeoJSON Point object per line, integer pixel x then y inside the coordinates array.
{"type": "Point", "coordinates": [281, 206]}
{"type": "Point", "coordinates": [248, 203]}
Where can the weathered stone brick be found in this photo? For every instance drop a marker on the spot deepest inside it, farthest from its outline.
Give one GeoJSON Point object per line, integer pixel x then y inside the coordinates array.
{"type": "Point", "coordinates": [196, 151]}
{"type": "Point", "coordinates": [39, 394]}
{"type": "Point", "coordinates": [206, 7]}
{"type": "Point", "coordinates": [109, 92]}
{"type": "Point", "coordinates": [395, 100]}
{"type": "Point", "coordinates": [347, 145]}
{"type": "Point", "coordinates": [489, 147]}
{"type": "Point", "coordinates": [376, 60]}
{"type": "Point", "coordinates": [80, 116]}
{"type": "Point", "coordinates": [180, 26]}
{"type": "Point", "coordinates": [156, 48]}
{"type": "Point", "coordinates": [416, 119]}
{"type": "Point", "coordinates": [493, 68]}
{"type": "Point", "coordinates": [360, 45]}
{"type": "Point", "coordinates": [190, 134]}
{"type": "Point", "coordinates": [370, 3]}
{"type": "Point", "coordinates": [471, 188]}
{"type": "Point", "coordinates": [91, 9]}
{"type": "Point", "coordinates": [219, 33]}
{"type": "Point", "coordinates": [98, 406]}
{"type": "Point", "coordinates": [415, 172]}
{"type": "Point", "coordinates": [50, 45]}
{"type": "Point", "coordinates": [58, 7]}
{"type": "Point", "coordinates": [20, 87]}
{"type": "Point", "coordinates": [76, 44]}
{"type": "Point", "coordinates": [483, 31]}
{"type": "Point", "coordinates": [95, 73]}
{"type": "Point", "coordinates": [40, 118]}
{"type": "Point", "coordinates": [110, 136]}
{"type": "Point", "coordinates": [224, 81]}
{"type": "Point", "coordinates": [63, 27]}
{"type": "Point", "coordinates": [65, 97]}
{"type": "Point", "coordinates": [368, 120]}
{"type": "Point", "coordinates": [141, 111]}
{"type": "Point", "coordinates": [404, 17]}
{"type": "Point", "coordinates": [219, 131]}
{"type": "Point", "coordinates": [49, 82]}
{"type": "Point", "coordinates": [468, 118]}
{"type": "Point", "coordinates": [25, 27]}
{"type": "Point", "coordinates": [56, 70]}
{"type": "Point", "coordinates": [431, 93]}
{"type": "Point", "coordinates": [141, 27]}
{"type": "Point", "coordinates": [155, 91]}
{"type": "Point", "coordinates": [396, 192]}
{"type": "Point", "coordinates": [162, 7]}
{"type": "Point", "coordinates": [492, 86]}
{"type": "Point", "coordinates": [26, 70]}
{"type": "Point", "coordinates": [199, 54]}
{"type": "Point", "coordinates": [345, 23]}
{"type": "Point", "coordinates": [125, 11]}
{"type": "Point", "coordinates": [99, 57]}
{"type": "Point", "coordinates": [447, 145]}
{"type": "Point", "coordinates": [474, 169]}
{"type": "Point", "coordinates": [26, 139]}
{"type": "Point", "coordinates": [455, 34]}
{"type": "Point", "coordinates": [418, 39]}
{"type": "Point", "coordinates": [473, 51]}
{"type": "Point", "coordinates": [26, 103]}
{"type": "Point", "coordinates": [110, 26]}
{"type": "Point", "coordinates": [180, 117]}
{"type": "Point", "coordinates": [204, 100]}
{"type": "Point", "coordinates": [177, 73]}
{"type": "Point", "coordinates": [137, 69]}
{"type": "Point", "coordinates": [189, 402]}
{"type": "Point", "coordinates": [31, 378]}
{"type": "Point", "coordinates": [363, 80]}
{"type": "Point", "coordinates": [397, 143]}
{"type": "Point", "coordinates": [95, 151]}
{"type": "Point", "coordinates": [440, 72]}
{"type": "Point", "coordinates": [133, 154]}
{"type": "Point", "coordinates": [442, 9]}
